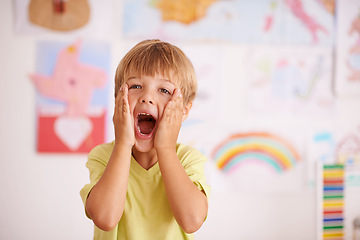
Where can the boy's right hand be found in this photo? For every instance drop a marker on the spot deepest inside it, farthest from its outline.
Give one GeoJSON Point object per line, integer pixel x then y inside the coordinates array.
{"type": "Point", "coordinates": [122, 119]}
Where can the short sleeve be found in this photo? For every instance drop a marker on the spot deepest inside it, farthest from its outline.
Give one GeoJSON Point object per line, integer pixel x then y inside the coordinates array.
{"type": "Point", "coordinates": [97, 161]}
{"type": "Point", "coordinates": [193, 162]}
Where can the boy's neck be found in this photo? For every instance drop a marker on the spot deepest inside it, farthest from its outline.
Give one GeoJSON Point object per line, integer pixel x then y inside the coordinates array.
{"type": "Point", "coordinates": [145, 159]}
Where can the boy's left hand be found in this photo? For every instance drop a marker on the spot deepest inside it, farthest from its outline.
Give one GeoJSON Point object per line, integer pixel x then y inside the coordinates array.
{"type": "Point", "coordinates": [170, 123]}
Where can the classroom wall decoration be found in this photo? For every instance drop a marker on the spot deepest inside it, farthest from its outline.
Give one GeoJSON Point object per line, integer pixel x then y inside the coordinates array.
{"type": "Point", "coordinates": [331, 146]}
{"type": "Point", "coordinates": [72, 89]}
{"type": "Point", "coordinates": [262, 147]}
{"type": "Point", "coordinates": [348, 48]}
{"type": "Point", "coordinates": [265, 21]}
{"type": "Point", "coordinates": [256, 161]}
{"type": "Point", "coordinates": [338, 201]}
{"type": "Point", "coordinates": [340, 146]}
{"type": "Point", "coordinates": [209, 102]}
{"type": "Point", "coordinates": [76, 17]}
{"type": "Point", "coordinates": [333, 202]}
{"type": "Point", "coordinates": [59, 15]}
{"type": "Point", "coordinates": [348, 149]}
{"type": "Point", "coordinates": [293, 80]}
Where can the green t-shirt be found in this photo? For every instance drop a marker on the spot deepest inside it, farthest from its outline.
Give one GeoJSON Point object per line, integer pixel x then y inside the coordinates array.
{"type": "Point", "coordinates": [147, 214]}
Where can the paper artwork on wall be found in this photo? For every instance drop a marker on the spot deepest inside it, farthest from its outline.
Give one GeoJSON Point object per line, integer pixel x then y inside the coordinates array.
{"type": "Point", "coordinates": [348, 48]}
{"type": "Point", "coordinates": [341, 146]}
{"type": "Point", "coordinates": [290, 80]}
{"type": "Point", "coordinates": [338, 201]}
{"type": "Point", "coordinates": [266, 21]}
{"type": "Point", "coordinates": [210, 100]}
{"type": "Point", "coordinates": [255, 161]}
{"type": "Point", "coordinates": [264, 148]}
{"type": "Point", "coordinates": [209, 105]}
{"type": "Point", "coordinates": [63, 16]}
{"type": "Point", "coordinates": [331, 147]}
{"type": "Point", "coordinates": [59, 15]}
{"type": "Point", "coordinates": [332, 202]}
{"type": "Point", "coordinates": [72, 88]}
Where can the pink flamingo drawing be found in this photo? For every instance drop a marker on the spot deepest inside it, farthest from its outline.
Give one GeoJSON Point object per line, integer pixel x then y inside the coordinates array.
{"type": "Point", "coordinates": [353, 61]}
{"type": "Point", "coordinates": [72, 82]}
{"type": "Point", "coordinates": [297, 9]}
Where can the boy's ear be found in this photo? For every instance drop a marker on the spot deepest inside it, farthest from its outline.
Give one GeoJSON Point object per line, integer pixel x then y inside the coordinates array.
{"type": "Point", "coordinates": [186, 111]}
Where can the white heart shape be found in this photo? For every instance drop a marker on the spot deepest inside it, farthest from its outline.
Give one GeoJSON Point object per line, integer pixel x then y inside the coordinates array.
{"type": "Point", "coordinates": [72, 131]}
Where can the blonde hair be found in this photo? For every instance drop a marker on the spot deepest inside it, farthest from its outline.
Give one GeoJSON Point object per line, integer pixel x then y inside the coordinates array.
{"type": "Point", "coordinates": [152, 57]}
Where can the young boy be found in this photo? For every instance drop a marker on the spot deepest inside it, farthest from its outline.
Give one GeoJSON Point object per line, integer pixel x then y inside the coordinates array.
{"type": "Point", "coordinates": [144, 185]}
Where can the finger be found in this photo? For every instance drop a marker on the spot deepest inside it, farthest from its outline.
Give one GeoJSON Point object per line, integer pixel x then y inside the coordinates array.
{"type": "Point", "coordinates": [168, 109]}
{"type": "Point", "coordinates": [179, 95]}
{"type": "Point", "coordinates": [125, 90]}
{"type": "Point", "coordinates": [176, 93]}
{"type": "Point", "coordinates": [119, 95]}
{"type": "Point", "coordinates": [179, 100]}
{"type": "Point", "coordinates": [117, 103]}
{"type": "Point", "coordinates": [174, 98]}
{"type": "Point", "coordinates": [125, 99]}
{"type": "Point", "coordinates": [121, 101]}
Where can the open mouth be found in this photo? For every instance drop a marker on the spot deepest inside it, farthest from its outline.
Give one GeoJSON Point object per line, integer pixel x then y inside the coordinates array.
{"type": "Point", "coordinates": [145, 123]}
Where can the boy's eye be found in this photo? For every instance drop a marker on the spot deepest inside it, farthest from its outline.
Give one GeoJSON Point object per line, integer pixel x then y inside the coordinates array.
{"type": "Point", "coordinates": [135, 87]}
{"type": "Point", "coordinates": [163, 90]}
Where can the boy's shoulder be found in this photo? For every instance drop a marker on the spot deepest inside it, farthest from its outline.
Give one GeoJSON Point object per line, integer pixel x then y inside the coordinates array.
{"type": "Point", "coordinates": [182, 148]}
{"type": "Point", "coordinates": [186, 153]}
{"type": "Point", "coordinates": [102, 151]}
{"type": "Point", "coordinates": [103, 147]}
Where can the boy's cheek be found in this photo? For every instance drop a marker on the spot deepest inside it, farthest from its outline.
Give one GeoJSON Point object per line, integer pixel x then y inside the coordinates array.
{"type": "Point", "coordinates": [131, 103]}
{"type": "Point", "coordinates": [132, 112]}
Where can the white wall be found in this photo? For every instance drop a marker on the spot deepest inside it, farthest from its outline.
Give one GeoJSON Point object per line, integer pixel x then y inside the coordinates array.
{"type": "Point", "coordinates": [40, 192]}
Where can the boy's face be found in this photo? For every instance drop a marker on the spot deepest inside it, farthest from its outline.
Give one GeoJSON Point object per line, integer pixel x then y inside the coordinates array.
{"type": "Point", "coordinates": [148, 97]}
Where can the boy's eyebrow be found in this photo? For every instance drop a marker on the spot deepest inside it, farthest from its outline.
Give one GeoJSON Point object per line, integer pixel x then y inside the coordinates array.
{"type": "Point", "coordinates": [129, 78]}
{"type": "Point", "coordinates": [168, 81]}
{"type": "Point", "coordinates": [163, 79]}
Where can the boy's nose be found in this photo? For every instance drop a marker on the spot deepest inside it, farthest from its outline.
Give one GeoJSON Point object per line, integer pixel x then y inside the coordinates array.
{"type": "Point", "coordinates": [144, 101]}
{"type": "Point", "coordinates": [147, 97]}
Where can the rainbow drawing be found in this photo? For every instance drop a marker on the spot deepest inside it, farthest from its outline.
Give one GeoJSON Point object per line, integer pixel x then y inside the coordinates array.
{"type": "Point", "coordinates": [255, 146]}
